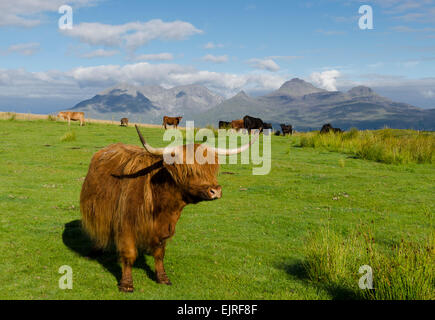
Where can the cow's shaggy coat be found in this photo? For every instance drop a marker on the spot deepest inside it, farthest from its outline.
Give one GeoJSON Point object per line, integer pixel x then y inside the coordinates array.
{"type": "Point", "coordinates": [133, 199]}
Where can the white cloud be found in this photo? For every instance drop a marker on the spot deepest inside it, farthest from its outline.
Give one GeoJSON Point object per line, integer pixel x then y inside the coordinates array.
{"type": "Point", "coordinates": [285, 58]}
{"type": "Point", "coordinates": [84, 82]}
{"type": "Point", "coordinates": [326, 79]}
{"type": "Point", "coordinates": [132, 34]}
{"type": "Point", "coordinates": [409, 29]}
{"type": "Point", "coordinates": [429, 93]}
{"type": "Point", "coordinates": [164, 56]}
{"type": "Point", "coordinates": [376, 65]}
{"type": "Point", "coordinates": [408, 64]}
{"type": "Point", "coordinates": [212, 45]}
{"type": "Point", "coordinates": [264, 64]}
{"type": "Point", "coordinates": [25, 49]}
{"type": "Point", "coordinates": [215, 59]}
{"type": "Point", "coordinates": [90, 80]}
{"type": "Point", "coordinates": [27, 13]}
{"type": "Point", "coordinates": [100, 53]}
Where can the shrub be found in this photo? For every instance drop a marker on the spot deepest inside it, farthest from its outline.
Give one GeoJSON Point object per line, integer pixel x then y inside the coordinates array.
{"type": "Point", "coordinates": [353, 133]}
{"type": "Point", "coordinates": [386, 145]}
{"type": "Point", "coordinates": [68, 137]}
{"type": "Point", "coordinates": [12, 116]}
{"type": "Point", "coordinates": [407, 271]}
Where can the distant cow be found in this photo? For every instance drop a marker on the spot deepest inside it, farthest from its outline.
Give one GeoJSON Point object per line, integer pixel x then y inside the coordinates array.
{"type": "Point", "coordinates": [286, 129]}
{"type": "Point", "coordinates": [124, 122]}
{"type": "Point", "coordinates": [74, 116]}
{"type": "Point", "coordinates": [224, 125]}
{"type": "Point", "coordinates": [132, 198]}
{"type": "Point", "coordinates": [237, 124]}
{"type": "Point", "coordinates": [252, 123]}
{"type": "Point", "coordinates": [173, 121]}
{"type": "Point", "coordinates": [278, 133]}
{"type": "Point", "coordinates": [267, 125]}
{"type": "Point", "coordinates": [328, 128]}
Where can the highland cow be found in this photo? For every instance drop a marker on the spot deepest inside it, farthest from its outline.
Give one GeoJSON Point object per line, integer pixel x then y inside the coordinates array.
{"type": "Point", "coordinates": [133, 198]}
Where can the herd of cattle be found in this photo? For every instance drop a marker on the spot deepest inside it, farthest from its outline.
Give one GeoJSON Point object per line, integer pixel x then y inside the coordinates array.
{"type": "Point", "coordinates": [247, 123]}
{"type": "Point", "coordinates": [250, 123]}
{"type": "Point", "coordinates": [132, 199]}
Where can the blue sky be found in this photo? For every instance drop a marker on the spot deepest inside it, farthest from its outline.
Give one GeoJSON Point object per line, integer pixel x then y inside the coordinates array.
{"type": "Point", "coordinates": [227, 46]}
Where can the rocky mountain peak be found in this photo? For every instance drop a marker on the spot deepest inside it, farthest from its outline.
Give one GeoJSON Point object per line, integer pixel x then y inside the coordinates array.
{"type": "Point", "coordinates": [297, 87]}
{"type": "Point", "coordinates": [242, 94]}
{"type": "Point", "coordinates": [361, 91]}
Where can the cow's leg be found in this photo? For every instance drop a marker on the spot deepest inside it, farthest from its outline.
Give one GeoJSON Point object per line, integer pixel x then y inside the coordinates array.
{"type": "Point", "coordinates": [128, 253]}
{"type": "Point", "coordinates": [69, 121]}
{"type": "Point", "coordinates": [159, 255]}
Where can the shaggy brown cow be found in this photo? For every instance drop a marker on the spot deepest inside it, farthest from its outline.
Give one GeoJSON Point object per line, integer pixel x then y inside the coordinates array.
{"type": "Point", "coordinates": [124, 122]}
{"type": "Point", "coordinates": [171, 121]}
{"type": "Point", "coordinates": [132, 198]}
{"type": "Point", "coordinates": [74, 116]}
{"type": "Point", "coordinates": [237, 124]}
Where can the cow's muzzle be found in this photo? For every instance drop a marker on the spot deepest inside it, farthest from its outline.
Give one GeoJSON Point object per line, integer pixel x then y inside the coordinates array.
{"type": "Point", "coordinates": [215, 192]}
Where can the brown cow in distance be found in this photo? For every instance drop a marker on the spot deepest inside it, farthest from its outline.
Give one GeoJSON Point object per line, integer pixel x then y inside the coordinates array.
{"type": "Point", "coordinates": [173, 121]}
{"type": "Point", "coordinates": [74, 116]}
{"type": "Point", "coordinates": [124, 122]}
{"type": "Point", "coordinates": [133, 198]}
{"type": "Point", "coordinates": [237, 124]}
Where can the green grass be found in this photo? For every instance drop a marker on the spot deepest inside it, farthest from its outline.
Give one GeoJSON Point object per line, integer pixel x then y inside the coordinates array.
{"type": "Point", "coordinates": [406, 272]}
{"type": "Point", "coordinates": [251, 244]}
{"type": "Point", "coordinates": [68, 136]}
{"type": "Point", "coordinates": [387, 145]}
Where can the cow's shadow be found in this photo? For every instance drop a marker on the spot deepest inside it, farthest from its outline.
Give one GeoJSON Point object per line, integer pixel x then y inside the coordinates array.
{"type": "Point", "coordinates": [78, 241]}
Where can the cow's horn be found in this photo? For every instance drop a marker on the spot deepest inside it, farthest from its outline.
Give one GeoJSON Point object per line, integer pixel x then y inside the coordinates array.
{"type": "Point", "coordinates": [156, 151]}
{"type": "Point", "coordinates": [229, 152]}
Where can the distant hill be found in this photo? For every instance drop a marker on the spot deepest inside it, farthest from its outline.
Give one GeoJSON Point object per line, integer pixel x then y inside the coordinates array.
{"type": "Point", "coordinates": [149, 103]}
{"type": "Point", "coordinates": [296, 102]}
{"type": "Point", "coordinates": [307, 108]}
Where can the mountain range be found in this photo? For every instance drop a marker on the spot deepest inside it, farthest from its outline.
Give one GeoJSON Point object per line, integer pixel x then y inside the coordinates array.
{"type": "Point", "coordinates": [296, 102]}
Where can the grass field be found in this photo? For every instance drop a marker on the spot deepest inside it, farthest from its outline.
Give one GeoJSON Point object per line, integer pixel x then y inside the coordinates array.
{"type": "Point", "coordinates": [254, 243]}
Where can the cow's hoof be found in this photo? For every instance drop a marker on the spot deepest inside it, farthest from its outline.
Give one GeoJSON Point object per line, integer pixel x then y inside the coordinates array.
{"type": "Point", "coordinates": [167, 282]}
{"type": "Point", "coordinates": [163, 279]}
{"type": "Point", "coordinates": [126, 288]}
